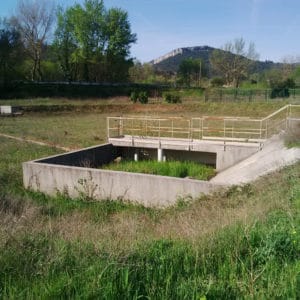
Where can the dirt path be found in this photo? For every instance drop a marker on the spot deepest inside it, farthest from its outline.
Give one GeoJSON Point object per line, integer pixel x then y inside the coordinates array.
{"type": "Point", "coordinates": [35, 142]}
{"type": "Point", "coordinates": [273, 156]}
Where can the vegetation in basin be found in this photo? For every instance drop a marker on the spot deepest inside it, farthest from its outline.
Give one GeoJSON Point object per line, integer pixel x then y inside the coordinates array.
{"type": "Point", "coordinates": [179, 169]}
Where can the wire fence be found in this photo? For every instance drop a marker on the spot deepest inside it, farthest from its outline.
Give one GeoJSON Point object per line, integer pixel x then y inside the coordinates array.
{"type": "Point", "coordinates": [250, 95]}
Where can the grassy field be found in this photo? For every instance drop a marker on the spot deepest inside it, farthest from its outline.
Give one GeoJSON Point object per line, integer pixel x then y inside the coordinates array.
{"type": "Point", "coordinates": [77, 129]}
{"type": "Point", "coordinates": [240, 243]}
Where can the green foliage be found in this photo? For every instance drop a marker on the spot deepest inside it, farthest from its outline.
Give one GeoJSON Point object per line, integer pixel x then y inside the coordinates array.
{"type": "Point", "coordinates": [259, 262]}
{"type": "Point", "coordinates": [139, 96]}
{"type": "Point", "coordinates": [10, 51]}
{"type": "Point", "coordinates": [93, 43]}
{"type": "Point", "coordinates": [172, 97]}
{"type": "Point", "coordinates": [168, 168]}
{"type": "Point", "coordinates": [143, 97]}
{"type": "Point", "coordinates": [191, 71]}
{"type": "Point", "coordinates": [134, 96]}
{"type": "Point", "coordinates": [281, 88]}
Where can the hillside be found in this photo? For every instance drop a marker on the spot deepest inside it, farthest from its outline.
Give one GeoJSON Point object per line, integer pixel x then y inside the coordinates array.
{"type": "Point", "coordinates": [171, 61]}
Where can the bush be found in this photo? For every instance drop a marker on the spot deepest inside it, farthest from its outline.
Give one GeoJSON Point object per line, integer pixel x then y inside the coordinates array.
{"type": "Point", "coordinates": [172, 98]}
{"type": "Point", "coordinates": [134, 96]}
{"type": "Point", "coordinates": [141, 96]}
{"type": "Point", "coordinates": [281, 92]}
{"type": "Point", "coordinates": [281, 89]}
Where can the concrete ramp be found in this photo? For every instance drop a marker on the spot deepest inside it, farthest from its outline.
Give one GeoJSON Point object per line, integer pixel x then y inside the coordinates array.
{"type": "Point", "coordinates": [272, 157]}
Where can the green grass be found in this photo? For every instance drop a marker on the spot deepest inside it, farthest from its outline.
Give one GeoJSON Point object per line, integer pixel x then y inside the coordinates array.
{"type": "Point", "coordinates": [77, 129]}
{"type": "Point", "coordinates": [179, 169]}
{"type": "Point", "coordinates": [241, 243]}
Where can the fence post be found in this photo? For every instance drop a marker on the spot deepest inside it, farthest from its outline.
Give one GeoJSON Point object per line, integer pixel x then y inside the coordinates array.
{"type": "Point", "coordinates": [159, 129]}
{"type": "Point", "coordinates": [107, 128]}
{"type": "Point", "coordinates": [146, 127]}
{"type": "Point", "coordinates": [120, 127]}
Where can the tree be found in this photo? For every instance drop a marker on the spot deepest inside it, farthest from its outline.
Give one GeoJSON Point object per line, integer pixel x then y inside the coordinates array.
{"type": "Point", "coordinates": [88, 22]}
{"type": "Point", "coordinates": [233, 61]}
{"type": "Point", "coordinates": [191, 70]}
{"type": "Point", "coordinates": [34, 19]}
{"type": "Point", "coordinates": [141, 72]}
{"type": "Point", "coordinates": [118, 40]}
{"type": "Point", "coordinates": [64, 44]}
{"type": "Point", "coordinates": [94, 41]}
{"type": "Point", "coordinates": [10, 50]}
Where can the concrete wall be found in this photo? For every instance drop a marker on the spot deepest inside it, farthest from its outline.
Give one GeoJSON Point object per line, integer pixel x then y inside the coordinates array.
{"type": "Point", "coordinates": [226, 154]}
{"type": "Point", "coordinates": [294, 124]}
{"type": "Point", "coordinates": [150, 153]}
{"type": "Point", "coordinates": [72, 173]}
{"type": "Point", "coordinates": [88, 157]}
{"type": "Point", "coordinates": [148, 190]}
{"type": "Point", "coordinates": [232, 155]}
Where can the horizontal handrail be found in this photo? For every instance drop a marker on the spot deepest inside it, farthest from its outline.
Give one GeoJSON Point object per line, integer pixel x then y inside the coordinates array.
{"type": "Point", "coordinates": [212, 127]}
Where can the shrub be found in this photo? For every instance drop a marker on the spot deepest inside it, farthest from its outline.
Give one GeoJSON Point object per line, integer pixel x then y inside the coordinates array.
{"type": "Point", "coordinates": [134, 96]}
{"type": "Point", "coordinates": [281, 89]}
{"type": "Point", "coordinates": [172, 98]}
{"type": "Point", "coordinates": [141, 96]}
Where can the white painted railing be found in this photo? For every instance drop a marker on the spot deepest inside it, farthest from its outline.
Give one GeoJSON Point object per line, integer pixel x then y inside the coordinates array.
{"type": "Point", "coordinates": [241, 129]}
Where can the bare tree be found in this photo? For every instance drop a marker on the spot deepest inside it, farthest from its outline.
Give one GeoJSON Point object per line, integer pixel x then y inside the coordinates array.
{"type": "Point", "coordinates": [233, 60]}
{"type": "Point", "coordinates": [288, 65]}
{"type": "Point", "coordinates": [34, 19]}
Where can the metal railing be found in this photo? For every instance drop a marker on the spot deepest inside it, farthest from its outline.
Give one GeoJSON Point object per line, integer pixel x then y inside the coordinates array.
{"type": "Point", "coordinates": [241, 129]}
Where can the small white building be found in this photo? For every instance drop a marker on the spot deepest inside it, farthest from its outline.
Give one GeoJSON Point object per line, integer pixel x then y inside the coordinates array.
{"type": "Point", "coordinates": [9, 110]}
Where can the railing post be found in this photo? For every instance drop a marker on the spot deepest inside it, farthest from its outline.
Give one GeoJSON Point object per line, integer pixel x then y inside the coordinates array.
{"type": "Point", "coordinates": [120, 128]}
{"type": "Point", "coordinates": [260, 129]}
{"type": "Point", "coordinates": [287, 116]}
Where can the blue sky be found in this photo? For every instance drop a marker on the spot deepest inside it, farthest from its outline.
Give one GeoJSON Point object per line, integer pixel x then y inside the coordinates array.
{"type": "Point", "coordinates": [164, 25]}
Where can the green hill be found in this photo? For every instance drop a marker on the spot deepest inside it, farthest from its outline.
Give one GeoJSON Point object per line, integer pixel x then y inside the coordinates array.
{"type": "Point", "coordinates": [171, 61]}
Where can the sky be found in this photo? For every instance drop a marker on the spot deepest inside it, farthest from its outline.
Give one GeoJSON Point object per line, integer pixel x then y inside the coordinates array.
{"type": "Point", "coordinates": [164, 25]}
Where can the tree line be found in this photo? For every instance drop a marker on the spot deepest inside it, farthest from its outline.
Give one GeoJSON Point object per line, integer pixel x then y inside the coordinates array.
{"type": "Point", "coordinates": [233, 65]}
{"type": "Point", "coordinates": [79, 43]}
